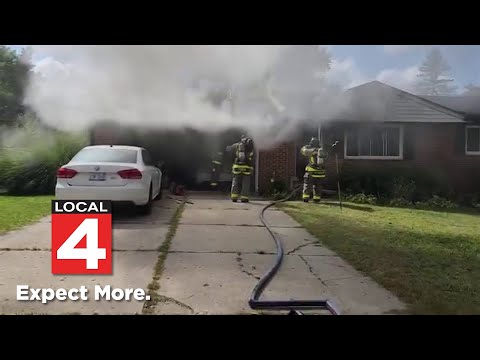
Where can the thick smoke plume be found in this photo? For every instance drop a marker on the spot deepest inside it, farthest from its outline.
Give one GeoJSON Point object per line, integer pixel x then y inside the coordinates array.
{"type": "Point", "coordinates": [265, 90]}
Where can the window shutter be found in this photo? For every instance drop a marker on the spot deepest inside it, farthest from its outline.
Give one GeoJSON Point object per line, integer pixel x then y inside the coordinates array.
{"type": "Point", "coordinates": [408, 143]}
{"type": "Point", "coordinates": [460, 140]}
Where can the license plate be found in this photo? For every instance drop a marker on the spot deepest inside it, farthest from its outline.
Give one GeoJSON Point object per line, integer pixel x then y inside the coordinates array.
{"type": "Point", "coordinates": [97, 177]}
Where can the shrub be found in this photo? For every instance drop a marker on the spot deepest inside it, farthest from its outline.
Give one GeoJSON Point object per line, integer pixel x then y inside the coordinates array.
{"type": "Point", "coordinates": [361, 199]}
{"type": "Point", "coordinates": [281, 195]}
{"type": "Point", "coordinates": [476, 201]}
{"type": "Point", "coordinates": [437, 202]}
{"type": "Point", "coordinates": [29, 166]}
{"type": "Point", "coordinates": [277, 188]}
{"type": "Point", "coordinates": [399, 202]}
{"type": "Point", "coordinates": [373, 180]}
{"type": "Point", "coordinates": [391, 181]}
{"type": "Point", "coordinates": [468, 200]}
{"type": "Point", "coordinates": [403, 188]}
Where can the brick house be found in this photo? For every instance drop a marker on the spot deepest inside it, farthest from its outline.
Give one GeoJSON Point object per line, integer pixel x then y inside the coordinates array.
{"type": "Point", "coordinates": [385, 129]}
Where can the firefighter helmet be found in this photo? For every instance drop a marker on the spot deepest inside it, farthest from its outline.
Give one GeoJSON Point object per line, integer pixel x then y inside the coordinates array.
{"type": "Point", "coordinates": [248, 142]}
{"type": "Point", "coordinates": [314, 142]}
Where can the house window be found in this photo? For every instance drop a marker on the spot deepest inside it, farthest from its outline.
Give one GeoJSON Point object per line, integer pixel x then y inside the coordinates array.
{"type": "Point", "coordinates": [379, 142]}
{"type": "Point", "coordinates": [472, 143]}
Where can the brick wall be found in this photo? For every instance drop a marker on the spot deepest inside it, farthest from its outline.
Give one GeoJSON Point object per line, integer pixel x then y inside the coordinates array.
{"type": "Point", "coordinates": [435, 148]}
{"type": "Point", "coordinates": [277, 163]}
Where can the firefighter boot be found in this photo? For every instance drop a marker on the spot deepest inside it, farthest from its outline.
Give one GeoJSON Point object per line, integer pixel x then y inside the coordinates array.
{"type": "Point", "coordinates": [307, 187]}
{"type": "Point", "coordinates": [245, 188]}
{"type": "Point", "coordinates": [236, 187]}
{"type": "Point", "coordinates": [317, 190]}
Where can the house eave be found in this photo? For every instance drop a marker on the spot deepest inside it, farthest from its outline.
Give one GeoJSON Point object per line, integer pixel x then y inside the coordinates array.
{"type": "Point", "coordinates": [353, 121]}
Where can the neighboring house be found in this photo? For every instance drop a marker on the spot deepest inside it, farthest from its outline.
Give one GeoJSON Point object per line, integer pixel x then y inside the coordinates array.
{"type": "Point", "coordinates": [383, 128]}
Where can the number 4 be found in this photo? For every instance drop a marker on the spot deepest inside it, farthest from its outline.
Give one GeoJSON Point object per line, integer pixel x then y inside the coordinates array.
{"type": "Point", "coordinates": [92, 253]}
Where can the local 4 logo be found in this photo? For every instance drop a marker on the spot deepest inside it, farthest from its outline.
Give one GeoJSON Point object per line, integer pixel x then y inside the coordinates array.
{"type": "Point", "coordinates": [81, 237]}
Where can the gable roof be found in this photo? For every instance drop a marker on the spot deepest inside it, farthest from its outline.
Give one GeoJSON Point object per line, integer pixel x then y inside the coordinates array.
{"type": "Point", "coordinates": [376, 101]}
{"type": "Point", "coordinates": [466, 104]}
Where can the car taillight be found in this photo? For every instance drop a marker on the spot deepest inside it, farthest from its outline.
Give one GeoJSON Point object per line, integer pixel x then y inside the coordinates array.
{"type": "Point", "coordinates": [66, 173]}
{"type": "Point", "coordinates": [130, 174]}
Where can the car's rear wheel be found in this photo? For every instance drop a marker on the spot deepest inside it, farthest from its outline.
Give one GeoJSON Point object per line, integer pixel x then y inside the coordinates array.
{"type": "Point", "coordinates": [147, 208]}
{"type": "Point", "coordinates": [159, 196]}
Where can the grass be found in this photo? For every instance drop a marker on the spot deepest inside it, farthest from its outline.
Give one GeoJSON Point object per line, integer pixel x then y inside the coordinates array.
{"type": "Point", "coordinates": [429, 259]}
{"type": "Point", "coordinates": [154, 286]}
{"type": "Point", "coordinates": [18, 211]}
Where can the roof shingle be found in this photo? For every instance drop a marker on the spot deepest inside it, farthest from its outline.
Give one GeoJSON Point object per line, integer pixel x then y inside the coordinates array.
{"type": "Point", "coordinates": [376, 101]}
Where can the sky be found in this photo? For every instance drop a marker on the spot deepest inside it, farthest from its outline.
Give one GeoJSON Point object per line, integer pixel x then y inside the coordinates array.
{"type": "Point", "coordinates": [396, 65]}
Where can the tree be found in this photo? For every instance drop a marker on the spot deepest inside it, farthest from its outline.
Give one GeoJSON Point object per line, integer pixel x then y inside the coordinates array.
{"type": "Point", "coordinates": [14, 69]}
{"type": "Point", "coordinates": [433, 76]}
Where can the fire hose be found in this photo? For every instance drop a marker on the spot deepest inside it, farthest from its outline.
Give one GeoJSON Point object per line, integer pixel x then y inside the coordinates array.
{"type": "Point", "coordinates": [295, 306]}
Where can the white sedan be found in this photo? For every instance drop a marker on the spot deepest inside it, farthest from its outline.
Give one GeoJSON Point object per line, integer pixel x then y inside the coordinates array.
{"type": "Point", "coordinates": [110, 172]}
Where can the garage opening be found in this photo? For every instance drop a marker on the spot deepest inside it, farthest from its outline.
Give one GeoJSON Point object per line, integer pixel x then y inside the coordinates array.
{"type": "Point", "coordinates": [185, 156]}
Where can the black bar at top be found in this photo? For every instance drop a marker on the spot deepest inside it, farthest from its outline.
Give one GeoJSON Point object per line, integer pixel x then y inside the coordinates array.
{"type": "Point", "coordinates": [81, 207]}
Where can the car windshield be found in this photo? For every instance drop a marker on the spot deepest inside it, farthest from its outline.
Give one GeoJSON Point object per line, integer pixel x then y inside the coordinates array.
{"type": "Point", "coordinates": [104, 155]}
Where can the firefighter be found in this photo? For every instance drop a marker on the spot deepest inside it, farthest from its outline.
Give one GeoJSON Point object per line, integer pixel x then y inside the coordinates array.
{"type": "Point", "coordinates": [242, 168]}
{"type": "Point", "coordinates": [314, 171]}
{"type": "Point", "coordinates": [216, 170]}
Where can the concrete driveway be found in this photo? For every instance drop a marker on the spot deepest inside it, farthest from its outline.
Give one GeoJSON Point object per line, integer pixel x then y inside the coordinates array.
{"type": "Point", "coordinates": [219, 252]}
{"type": "Point", "coordinates": [221, 249]}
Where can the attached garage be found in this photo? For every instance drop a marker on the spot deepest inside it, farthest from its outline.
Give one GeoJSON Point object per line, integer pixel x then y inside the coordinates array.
{"type": "Point", "coordinates": [186, 155]}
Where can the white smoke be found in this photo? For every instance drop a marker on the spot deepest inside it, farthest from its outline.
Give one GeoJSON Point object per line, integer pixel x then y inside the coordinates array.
{"type": "Point", "coordinates": [273, 88]}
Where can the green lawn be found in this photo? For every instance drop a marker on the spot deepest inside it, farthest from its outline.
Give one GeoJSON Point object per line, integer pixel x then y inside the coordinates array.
{"type": "Point", "coordinates": [17, 211]}
{"type": "Point", "coordinates": [429, 259]}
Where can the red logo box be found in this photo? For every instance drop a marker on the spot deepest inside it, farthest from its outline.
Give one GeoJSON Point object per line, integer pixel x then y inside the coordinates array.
{"type": "Point", "coordinates": [81, 237]}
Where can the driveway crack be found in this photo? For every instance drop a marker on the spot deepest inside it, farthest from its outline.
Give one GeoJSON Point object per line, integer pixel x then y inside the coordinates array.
{"type": "Point", "coordinates": [242, 267]}
{"type": "Point", "coordinates": [311, 270]}
{"type": "Point", "coordinates": [154, 286]}
{"type": "Point", "coordinates": [166, 299]}
{"type": "Point", "coordinates": [301, 246]}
